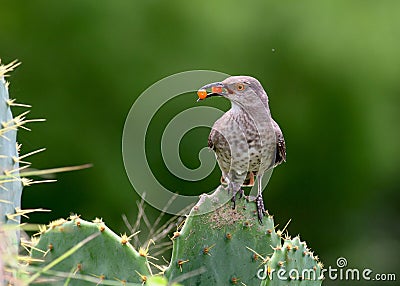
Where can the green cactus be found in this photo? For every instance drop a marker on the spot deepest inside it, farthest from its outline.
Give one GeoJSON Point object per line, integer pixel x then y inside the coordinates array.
{"type": "Point", "coordinates": [10, 182]}
{"type": "Point", "coordinates": [216, 246]}
{"type": "Point", "coordinates": [102, 256]}
{"type": "Point", "coordinates": [227, 247]}
{"type": "Point", "coordinates": [292, 264]}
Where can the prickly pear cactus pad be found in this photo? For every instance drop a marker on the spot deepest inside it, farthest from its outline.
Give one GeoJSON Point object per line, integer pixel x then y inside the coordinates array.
{"type": "Point", "coordinates": [292, 264]}
{"type": "Point", "coordinates": [228, 247]}
{"type": "Point", "coordinates": [10, 182]}
{"type": "Point", "coordinates": [104, 258]}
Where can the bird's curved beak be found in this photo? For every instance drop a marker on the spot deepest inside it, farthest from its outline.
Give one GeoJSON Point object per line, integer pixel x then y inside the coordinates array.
{"type": "Point", "coordinates": [211, 89]}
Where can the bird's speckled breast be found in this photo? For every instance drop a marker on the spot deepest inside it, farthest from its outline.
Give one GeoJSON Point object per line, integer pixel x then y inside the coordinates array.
{"type": "Point", "coordinates": [242, 144]}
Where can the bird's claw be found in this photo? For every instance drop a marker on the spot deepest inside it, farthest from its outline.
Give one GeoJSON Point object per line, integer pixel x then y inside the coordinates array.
{"type": "Point", "coordinates": [260, 208]}
{"type": "Point", "coordinates": [233, 199]}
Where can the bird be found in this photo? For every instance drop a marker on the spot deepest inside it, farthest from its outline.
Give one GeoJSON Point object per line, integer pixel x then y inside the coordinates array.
{"type": "Point", "coordinates": [246, 141]}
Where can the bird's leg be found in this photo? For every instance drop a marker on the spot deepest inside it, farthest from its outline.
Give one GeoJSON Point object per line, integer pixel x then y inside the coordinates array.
{"type": "Point", "coordinates": [235, 188]}
{"type": "Point", "coordinates": [259, 200]}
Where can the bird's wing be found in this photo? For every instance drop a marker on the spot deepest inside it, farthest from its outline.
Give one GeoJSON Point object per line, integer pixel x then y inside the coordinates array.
{"type": "Point", "coordinates": [211, 138]}
{"type": "Point", "coordinates": [280, 145]}
{"type": "Point", "coordinates": [216, 140]}
{"type": "Point", "coordinates": [220, 146]}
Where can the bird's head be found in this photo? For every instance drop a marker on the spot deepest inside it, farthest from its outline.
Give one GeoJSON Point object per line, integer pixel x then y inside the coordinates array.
{"type": "Point", "coordinates": [245, 91]}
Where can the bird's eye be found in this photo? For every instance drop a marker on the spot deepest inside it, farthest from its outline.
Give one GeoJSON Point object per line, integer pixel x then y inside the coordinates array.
{"type": "Point", "coordinates": [240, 86]}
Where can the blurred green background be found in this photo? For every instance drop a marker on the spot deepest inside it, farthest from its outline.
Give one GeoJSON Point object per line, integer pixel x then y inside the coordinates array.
{"type": "Point", "coordinates": [331, 69]}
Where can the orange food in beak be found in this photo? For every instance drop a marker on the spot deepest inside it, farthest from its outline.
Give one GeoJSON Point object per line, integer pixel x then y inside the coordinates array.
{"type": "Point", "coordinates": [202, 93]}
{"type": "Point", "coordinates": [216, 89]}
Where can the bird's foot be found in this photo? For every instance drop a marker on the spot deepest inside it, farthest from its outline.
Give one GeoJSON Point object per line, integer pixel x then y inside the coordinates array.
{"type": "Point", "coordinates": [233, 199]}
{"type": "Point", "coordinates": [260, 208]}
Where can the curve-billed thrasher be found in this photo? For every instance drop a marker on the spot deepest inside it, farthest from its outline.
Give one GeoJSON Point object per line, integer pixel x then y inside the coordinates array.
{"type": "Point", "coordinates": [246, 140]}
